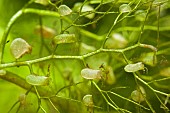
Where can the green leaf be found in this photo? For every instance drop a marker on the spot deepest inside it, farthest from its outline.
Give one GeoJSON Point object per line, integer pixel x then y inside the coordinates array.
{"type": "Point", "coordinates": [138, 95]}
{"type": "Point", "coordinates": [140, 15]}
{"type": "Point", "coordinates": [149, 59]}
{"type": "Point", "coordinates": [64, 38]}
{"type": "Point", "coordinates": [20, 47]}
{"type": "Point", "coordinates": [64, 10]}
{"type": "Point", "coordinates": [37, 80]}
{"type": "Point", "coordinates": [124, 8]}
{"type": "Point", "coordinates": [91, 73]}
{"type": "Point", "coordinates": [134, 67]}
{"type": "Point", "coordinates": [85, 9]}
{"type": "Point", "coordinates": [88, 100]}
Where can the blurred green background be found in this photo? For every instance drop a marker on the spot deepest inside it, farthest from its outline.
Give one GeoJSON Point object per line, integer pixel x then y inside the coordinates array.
{"type": "Point", "coordinates": [64, 72]}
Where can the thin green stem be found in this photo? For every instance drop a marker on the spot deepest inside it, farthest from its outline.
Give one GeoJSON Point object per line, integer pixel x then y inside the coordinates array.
{"type": "Point", "coordinates": [49, 1]}
{"type": "Point", "coordinates": [89, 23]}
{"type": "Point", "coordinates": [147, 27]}
{"type": "Point", "coordinates": [53, 105]}
{"type": "Point", "coordinates": [42, 109]}
{"type": "Point", "coordinates": [110, 30]}
{"type": "Point", "coordinates": [13, 106]}
{"type": "Point", "coordinates": [114, 103]}
{"type": "Point", "coordinates": [6, 32]}
{"type": "Point", "coordinates": [41, 35]}
{"type": "Point", "coordinates": [104, 96]}
{"type": "Point", "coordinates": [39, 99]}
{"type": "Point", "coordinates": [42, 12]}
{"type": "Point", "coordinates": [117, 21]}
{"type": "Point", "coordinates": [144, 96]}
{"type": "Point", "coordinates": [136, 77]}
{"type": "Point", "coordinates": [154, 90]}
{"type": "Point", "coordinates": [68, 86]}
{"type": "Point", "coordinates": [34, 11]}
{"type": "Point", "coordinates": [142, 28]}
{"type": "Point", "coordinates": [127, 99]}
{"type": "Point", "coordinates": [30, 2]}
{"type": "Point", "coordinates": [158, 29]}
{"type": "Point", "coordinates": [80, 11]}
{"type": "Point", "coordinates": [29, 62]}
{"type": "Point", "coordinates": [13, 20]}
{"type": "Point", "coordinates": [162, 79]}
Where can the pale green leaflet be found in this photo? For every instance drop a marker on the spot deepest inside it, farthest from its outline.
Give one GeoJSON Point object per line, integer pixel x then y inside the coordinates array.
{"type": "Point", "coordinates": [134, 67]}
{"type": "Point", "coordinates": [88, 73]}
{"type": "Point", "coordinates": [20, 47]}
{"type": "Point", "coordinates": [37, 80]}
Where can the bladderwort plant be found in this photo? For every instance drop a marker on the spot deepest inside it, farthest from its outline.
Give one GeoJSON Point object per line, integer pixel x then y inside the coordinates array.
{"type": "Point", "coordinates": [91, 56]}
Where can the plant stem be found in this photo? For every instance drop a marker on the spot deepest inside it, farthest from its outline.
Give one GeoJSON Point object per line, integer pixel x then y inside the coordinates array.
{"type": "Point", "coordinates": [15, 79]}
{"type": "Point", "coordinates": [6, 32]}
{"type": "Point", "coordinates": [29, 62]}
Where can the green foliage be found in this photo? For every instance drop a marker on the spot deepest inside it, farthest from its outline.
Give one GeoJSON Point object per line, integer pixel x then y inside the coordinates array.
{"type": "Point", "coordinates": [91, 56]}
